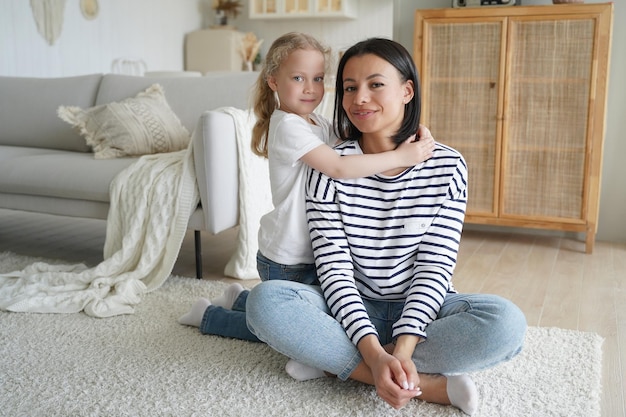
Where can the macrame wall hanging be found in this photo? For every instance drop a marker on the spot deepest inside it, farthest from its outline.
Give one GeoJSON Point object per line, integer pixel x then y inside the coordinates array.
{"type": "Point", "coordinates": [48, 15]}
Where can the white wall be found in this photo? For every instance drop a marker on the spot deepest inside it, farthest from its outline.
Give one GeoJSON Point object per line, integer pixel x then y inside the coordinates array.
{"type": "Point", "coordinates": [612, 223]}
{"type": "Point", "coordinates": [123, 28]}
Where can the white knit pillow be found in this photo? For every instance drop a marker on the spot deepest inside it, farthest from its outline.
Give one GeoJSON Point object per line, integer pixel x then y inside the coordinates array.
{"type": "Point", "coordinates": [140, 125]}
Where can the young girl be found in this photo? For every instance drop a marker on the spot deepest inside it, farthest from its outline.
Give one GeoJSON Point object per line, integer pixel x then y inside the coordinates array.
{"type": "Point", "coordinates": [386, 312]}
{"type": "Point", "coordinates": [293, 137]}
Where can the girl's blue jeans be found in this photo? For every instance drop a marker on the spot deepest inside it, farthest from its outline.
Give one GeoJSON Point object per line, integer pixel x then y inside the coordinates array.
{"type": "Point", "coordinates": [232, 323]}
{"type": "Point", "coordinates": [472, 332]}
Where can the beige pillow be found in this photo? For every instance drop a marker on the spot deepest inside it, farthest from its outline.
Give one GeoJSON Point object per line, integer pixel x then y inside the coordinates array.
{"type": "Point", "coordinates": [140, 125]}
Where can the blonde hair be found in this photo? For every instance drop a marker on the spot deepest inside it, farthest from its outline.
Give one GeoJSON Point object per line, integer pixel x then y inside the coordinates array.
{"type": "Point", "coordinates": [265, 101]}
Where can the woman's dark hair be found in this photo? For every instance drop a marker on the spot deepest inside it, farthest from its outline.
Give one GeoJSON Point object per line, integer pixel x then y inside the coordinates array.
{"type": "Point", "coordinates": [401, 59]}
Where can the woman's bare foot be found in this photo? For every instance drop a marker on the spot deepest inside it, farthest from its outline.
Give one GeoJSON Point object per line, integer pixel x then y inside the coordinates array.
{"type": "Point", "coordinates": [434, 389]}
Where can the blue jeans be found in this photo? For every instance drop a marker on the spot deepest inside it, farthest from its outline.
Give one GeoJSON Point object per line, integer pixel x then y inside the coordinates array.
{"type": "Point", "coordinates": [232, 323]}
{"type": "Point", "coordinates": [472, 332]}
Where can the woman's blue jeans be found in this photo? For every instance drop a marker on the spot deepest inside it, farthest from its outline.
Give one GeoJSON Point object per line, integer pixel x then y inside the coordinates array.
{"type": "Point", "coordinates": [472, 332]}
{"type": "Point", "coordinates": [232, 323]}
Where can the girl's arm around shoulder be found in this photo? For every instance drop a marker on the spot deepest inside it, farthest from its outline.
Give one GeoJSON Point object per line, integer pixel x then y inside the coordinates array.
{"type": "Point", "coordinates": [326, 160]}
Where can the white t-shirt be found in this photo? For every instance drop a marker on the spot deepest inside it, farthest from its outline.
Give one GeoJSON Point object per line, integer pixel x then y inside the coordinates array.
{"type": "Point", "coordinates": [284, 233]}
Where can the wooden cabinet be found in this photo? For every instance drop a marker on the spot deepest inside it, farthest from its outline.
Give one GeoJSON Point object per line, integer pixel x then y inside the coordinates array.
{"type": "Point", "coordinates": [521, 93]}
{"type": "Point", "coordinates": [294, 9]}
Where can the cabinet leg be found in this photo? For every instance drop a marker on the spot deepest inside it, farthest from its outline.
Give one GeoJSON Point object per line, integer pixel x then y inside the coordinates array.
{"type": "Point", "coordinates": [590, 240]}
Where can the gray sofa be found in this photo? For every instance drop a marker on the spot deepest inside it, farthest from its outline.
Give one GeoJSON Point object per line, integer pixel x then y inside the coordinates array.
{"type": "Point", "coordinates": [46, 167]}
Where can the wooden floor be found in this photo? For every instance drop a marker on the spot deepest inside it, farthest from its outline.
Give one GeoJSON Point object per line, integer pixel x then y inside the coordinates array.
{"type": "Point", "coordinates": [550, 277]}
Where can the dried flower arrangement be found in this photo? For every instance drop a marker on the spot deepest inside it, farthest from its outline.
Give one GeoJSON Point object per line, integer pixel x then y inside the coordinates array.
{"type": "Point", "coordinates": [249, 48]}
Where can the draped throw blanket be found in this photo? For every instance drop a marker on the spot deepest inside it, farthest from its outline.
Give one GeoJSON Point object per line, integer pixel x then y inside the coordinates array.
{"type": "Point", "coordinates": [255, 197]}
{"type": "Point", "coordinates": [151, 202]}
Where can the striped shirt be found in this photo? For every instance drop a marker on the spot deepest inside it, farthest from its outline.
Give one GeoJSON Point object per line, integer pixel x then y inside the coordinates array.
{"type": "Point", "coordinates": [388, 238]}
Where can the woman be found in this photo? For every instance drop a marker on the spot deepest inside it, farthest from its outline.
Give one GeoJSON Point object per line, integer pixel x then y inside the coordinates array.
{"type": "Point", "coordinates": [385, 249]}
{"type": "Point", "coordinates": [288, 132]}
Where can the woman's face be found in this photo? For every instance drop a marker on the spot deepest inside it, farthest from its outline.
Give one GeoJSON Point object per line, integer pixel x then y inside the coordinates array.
{"type": "Point", "coordinates": [300, 82]}
{"type": "Point", "coordinates": [374, 95]}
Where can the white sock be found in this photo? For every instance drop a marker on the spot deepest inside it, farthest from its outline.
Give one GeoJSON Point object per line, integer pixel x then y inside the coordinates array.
{"type": "Point", "coordinates": [227, 299]}
{"type": "Point", "coordinates": [462, 393]}
{"type": "Point", "coordinates": [302, 372]}
{"type": "Point", "coordinates": [194, 316]}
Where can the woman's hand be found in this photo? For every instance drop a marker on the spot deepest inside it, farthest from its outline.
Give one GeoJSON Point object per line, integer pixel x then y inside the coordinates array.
{"type": "Point", "coordinates": [396, 380]}
{"type": "Point", "coordinates": [392, 382]}
{"type": "Point", "coordinates": [403, 351]}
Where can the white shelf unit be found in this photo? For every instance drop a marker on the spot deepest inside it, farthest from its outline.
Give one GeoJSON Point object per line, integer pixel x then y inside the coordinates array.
{"type": "Point", "coordinates": [303, 9]}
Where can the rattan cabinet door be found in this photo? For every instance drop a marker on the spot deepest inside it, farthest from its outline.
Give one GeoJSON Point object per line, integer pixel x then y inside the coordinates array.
{"type": "Point", "coordinates": [521, 93]}
{"type": "Point", "coordinates": [546, 117]}
{"type": "Point", "coordinates": [461, 79]}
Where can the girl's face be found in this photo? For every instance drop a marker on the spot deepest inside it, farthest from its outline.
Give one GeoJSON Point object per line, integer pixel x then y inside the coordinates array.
{"type": "Point", "coordinates": [300, 82]}
{"type": "Point", "coordinates": [374, 95]}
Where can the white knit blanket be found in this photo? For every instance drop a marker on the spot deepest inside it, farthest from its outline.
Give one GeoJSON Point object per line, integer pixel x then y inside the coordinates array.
{"type": "Point", "coordinates": [255, 197]}
{"type": "Point", "coordinates": [151, 202]}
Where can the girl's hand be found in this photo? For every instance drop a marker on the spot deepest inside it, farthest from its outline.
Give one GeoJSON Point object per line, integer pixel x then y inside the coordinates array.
{"type": "Point", "coordinates": [424, 133]}
{"type": "Point", "coordinates": [413, 151]}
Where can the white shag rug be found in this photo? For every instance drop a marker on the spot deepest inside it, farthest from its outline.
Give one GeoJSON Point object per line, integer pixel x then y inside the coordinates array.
{"type": "Point", "coordinates": [146, 364]}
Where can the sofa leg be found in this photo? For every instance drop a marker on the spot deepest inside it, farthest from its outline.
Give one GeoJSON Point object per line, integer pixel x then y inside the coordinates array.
{"type": "Point", "coordinates": [198, 245]}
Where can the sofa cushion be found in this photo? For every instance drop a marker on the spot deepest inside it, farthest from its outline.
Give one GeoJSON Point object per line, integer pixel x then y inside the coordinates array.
{"type": "Point", "coordinates": [135, 126]}
{"type": "Point", "coordinates": [188, 97]}
{"type": "Point", "coordinates": [50, 173]}
{"type": "Point", "coordinates": [28, 116]}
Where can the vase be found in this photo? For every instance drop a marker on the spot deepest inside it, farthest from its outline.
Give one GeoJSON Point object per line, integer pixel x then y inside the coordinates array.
{"type": "Point", "coordinates": [220, 18]}
{"type": "Point", "coordinates": [247, 66]}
